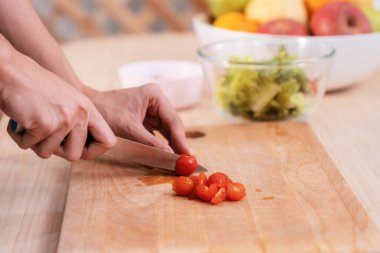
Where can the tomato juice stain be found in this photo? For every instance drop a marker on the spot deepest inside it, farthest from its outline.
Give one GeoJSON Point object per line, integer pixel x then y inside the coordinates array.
{"type": "Point", "coordinates": [154, 180]}
{"type": "Point", "coordinates": [157, 176]}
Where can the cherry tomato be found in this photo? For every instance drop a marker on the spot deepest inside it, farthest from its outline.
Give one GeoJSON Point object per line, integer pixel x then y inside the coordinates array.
{"type": "Point", "coordinates": [219, 197]}
{"type": "Point", "coordinates": [218, 178]}
{"type": "Point", "coordinates": [186, 165]}
{"type": "Point", "coordinates": [205, 192]}
{"type": "Point", "coordinates": [183, 186]}
{"type": "Point", "coordinates": [235, 191]}
{"type": "Point", "coordinates": [200, 179]}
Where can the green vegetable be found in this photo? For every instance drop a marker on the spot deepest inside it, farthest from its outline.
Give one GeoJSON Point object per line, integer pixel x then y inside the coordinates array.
{"type": "Point", "coordinates": [275, 91]}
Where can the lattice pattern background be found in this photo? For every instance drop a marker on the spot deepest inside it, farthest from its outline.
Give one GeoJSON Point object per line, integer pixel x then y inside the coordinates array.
{"type": "Point", "coordinates": [72, 19]}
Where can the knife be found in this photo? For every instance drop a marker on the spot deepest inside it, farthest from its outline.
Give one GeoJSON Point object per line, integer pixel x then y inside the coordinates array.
{"type": "Point", "coordinates": [132, 151]}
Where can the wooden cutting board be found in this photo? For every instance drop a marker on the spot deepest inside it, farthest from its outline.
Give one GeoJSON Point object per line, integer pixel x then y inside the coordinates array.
{"type": "Point", "coordinates": [297, 201]}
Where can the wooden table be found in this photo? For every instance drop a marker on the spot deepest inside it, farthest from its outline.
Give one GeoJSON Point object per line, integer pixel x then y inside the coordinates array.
{"type": "Point", "coordinates": [33, 191]}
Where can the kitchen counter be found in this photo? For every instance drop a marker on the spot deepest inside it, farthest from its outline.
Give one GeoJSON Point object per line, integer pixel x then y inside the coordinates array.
{"type": "Point", "coordinates": [33, 191]}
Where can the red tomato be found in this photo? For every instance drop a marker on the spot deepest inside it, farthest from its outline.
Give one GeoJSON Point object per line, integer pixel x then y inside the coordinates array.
{"type": "Point", "coordinates": [183, 186]}
{"type": "Point", "coordinates": [218, 178]}
{"type": "Point", "coordinates": [235, 191]}
{"type": "Point", "coordinates": [219, 197]}
{"type": "Point", "coordinates": [205, 192]}
{"type": "Point", "coordinates": [186, 165]}
{"type": "Point", "coordinates": [200, 179]}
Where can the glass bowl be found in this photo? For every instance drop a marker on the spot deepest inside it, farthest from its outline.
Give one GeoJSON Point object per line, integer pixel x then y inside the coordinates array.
{"type": "Point", "coordinates": [349, 67]}
{"type": "Point", "coordinates": [268, 81]}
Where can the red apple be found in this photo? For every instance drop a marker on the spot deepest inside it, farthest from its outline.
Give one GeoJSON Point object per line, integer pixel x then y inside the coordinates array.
{"type": "Point", "coordinates": [339, 18]}
{"type": "Point", "coordinates": [284, 26]}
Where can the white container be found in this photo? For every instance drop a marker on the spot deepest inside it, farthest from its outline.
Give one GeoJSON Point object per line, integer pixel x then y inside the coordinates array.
{"type": "Point", "coordinates": [356, 58]}
{"type": "Point", "coordinates": [181, 81]}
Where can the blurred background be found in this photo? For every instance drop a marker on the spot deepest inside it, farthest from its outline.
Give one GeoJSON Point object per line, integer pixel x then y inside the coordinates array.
{"type": "Point", "coordinates": [74, 19]}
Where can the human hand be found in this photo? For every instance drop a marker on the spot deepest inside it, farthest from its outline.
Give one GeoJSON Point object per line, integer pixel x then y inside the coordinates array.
{"type": "Point", "coordinates": [136, 112]}
{"type": "Point", "coordinates": [55, 115]}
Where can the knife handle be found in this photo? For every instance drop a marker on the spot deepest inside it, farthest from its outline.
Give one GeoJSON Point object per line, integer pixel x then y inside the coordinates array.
{"type": "Point", "coordinates": [15, 127]}
{"type": "Point", "coordinates": [18, 129]}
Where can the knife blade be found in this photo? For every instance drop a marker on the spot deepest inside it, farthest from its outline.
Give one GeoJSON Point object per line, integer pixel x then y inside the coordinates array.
{"type": "Point", "coordinates": [133, 152]}
{"type": "Point", "coordinates": [146, 155]}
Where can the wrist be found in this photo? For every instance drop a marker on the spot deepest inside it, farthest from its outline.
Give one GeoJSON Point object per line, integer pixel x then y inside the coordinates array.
{"type": "Point", "coordinates": [89, 92]}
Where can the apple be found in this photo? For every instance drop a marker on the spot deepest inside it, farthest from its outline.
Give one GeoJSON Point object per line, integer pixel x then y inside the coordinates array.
{"type": "Point", "coordinates": [264, 11]}
{"type": "Point", "coordinates": [339, 18]}
{"type": "Point", "coordinates": [374, 17]}
{"type": "Point", "coordinates": [284, 26]}
{"type": "Point", "coordinates": [219, 7]}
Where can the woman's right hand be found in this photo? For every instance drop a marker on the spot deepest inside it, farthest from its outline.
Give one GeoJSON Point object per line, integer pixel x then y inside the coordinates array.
{"type": "Point", "coordinates": [55, 115]}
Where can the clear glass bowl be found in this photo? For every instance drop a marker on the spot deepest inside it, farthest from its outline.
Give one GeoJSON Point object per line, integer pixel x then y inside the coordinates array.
{"type": "Point", "coordinates": [266, 81]}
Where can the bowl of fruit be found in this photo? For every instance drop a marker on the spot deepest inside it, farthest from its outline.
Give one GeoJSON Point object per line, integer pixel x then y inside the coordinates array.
{"type": "Point", "coordinates": [252, 80]}
{"type": "Point", "coordinates": [351, 27]}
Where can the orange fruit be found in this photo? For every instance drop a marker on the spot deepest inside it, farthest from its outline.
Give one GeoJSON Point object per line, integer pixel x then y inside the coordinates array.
{"type": "Point", "coordinates": [314, 5]}
{"type": "Point", "coordinates": [236, 21]}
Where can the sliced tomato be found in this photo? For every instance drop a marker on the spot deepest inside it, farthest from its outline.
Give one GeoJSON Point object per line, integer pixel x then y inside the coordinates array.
{"type": "Point", "coordinates": [183, 186]}
{"type": "Point", "coordinates": [206, 193]}
{"type": "Point", "coordinates": [235, 191]}
{"type": "Point", "coordinates": [199, 179]}
{"type": "Point", "coordinates": [219, 197]}
{"type": "Point", "coordinates": [220, 179]}
{"type": "Point", "coordinates": [186, 165]}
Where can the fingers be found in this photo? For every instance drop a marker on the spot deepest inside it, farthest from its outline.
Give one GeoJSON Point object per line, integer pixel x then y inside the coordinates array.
{"type": "Point", "coordinates": [144, 136]}
{"type": "Point", "coordinates": [175, 133]}
{"type": "Point", "coordinates": [173, 128]}
{"type": "Point", "coordinates": [73, 146]}
{"type": "Point", "coordinates": [43, 146]}
{"type": "Point", "coordinates": [29, 139]}
{"type": "Point", "coordinates": [104, 138]}
{"type": "Point", "coordinates": [49, 145]}
{"type": "Point", "coordinates": [70, 143]}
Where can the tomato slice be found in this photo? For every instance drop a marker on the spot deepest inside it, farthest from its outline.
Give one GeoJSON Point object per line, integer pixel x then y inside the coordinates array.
{"type": "Point", "coordinates": [206, 193]}
{"type": "Point", "coordinates": [235, 191]}
{"type": "Point", "coordinates": [200, 179]}
{"type": "Point", "coordinates": [186, 165]}
{"type": "Point", "coordinates": [183, 186]}
{"type": "Point", "coordinates": [220, 179]}
{"type": "Point", "coordinates": [219, 197]}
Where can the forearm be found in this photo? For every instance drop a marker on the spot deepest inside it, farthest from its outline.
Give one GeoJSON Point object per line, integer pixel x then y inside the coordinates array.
{"type": "Point", "coordinates": [22, 27]}
{"type": "Point", "coordinates": [6, 56]}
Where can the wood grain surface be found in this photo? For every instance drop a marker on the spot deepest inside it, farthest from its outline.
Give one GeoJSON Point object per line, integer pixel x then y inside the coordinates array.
{"type": "Point", "coordinates": [297, 201]}
{"type": "Point", "coordinates": [32, 197]}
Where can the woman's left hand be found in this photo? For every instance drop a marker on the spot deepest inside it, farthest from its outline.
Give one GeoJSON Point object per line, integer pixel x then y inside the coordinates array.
{"type": "Point", "coordinates": [135, 113]}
